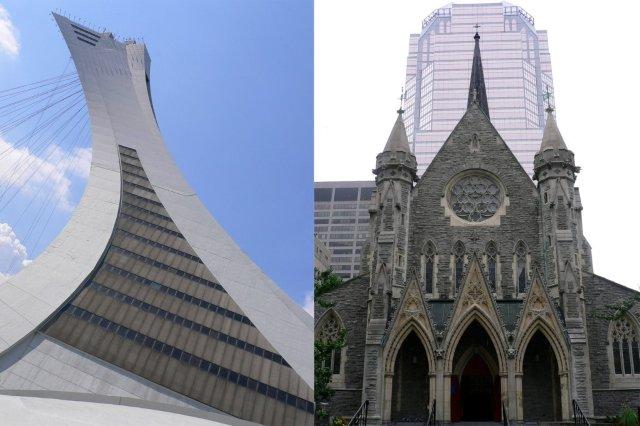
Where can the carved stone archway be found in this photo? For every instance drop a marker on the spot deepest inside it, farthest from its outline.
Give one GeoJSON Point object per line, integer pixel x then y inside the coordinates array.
{"type": "Point", "coordinates": [539, 316]}
{"type": "Point", "coordinates": [411, 318]}
{"type": "Point", "coordinates": [474, 304]}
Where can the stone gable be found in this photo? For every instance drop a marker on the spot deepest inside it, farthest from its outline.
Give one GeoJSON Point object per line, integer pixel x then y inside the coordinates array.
{"type": "Point", "coordinates": [473, 144]}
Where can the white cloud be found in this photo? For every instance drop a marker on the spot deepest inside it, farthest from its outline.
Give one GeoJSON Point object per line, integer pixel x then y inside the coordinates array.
{"type": "Point", "coordinates": [13, 254]}
{"type": "Point", "coordinates": [8, 34]}
{"type": "Point", "coordinates": [307, 305]}
{"type": "Point", "coordinates": [35, 175]}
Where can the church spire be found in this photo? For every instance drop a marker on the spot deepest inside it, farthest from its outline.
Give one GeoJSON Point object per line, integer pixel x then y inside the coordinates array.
{"type": "Point", "coordinates": [551, 138]}
{"type": "Point", "coordinates": [477, 90]}
{"type": "Point", "coordinates": [398, 140]}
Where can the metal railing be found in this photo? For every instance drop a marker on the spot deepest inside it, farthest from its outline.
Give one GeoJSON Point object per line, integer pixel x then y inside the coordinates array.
{"type": "Point", "coordinates": [431, 420]}
{"type": "Point", "coordinates": [360, 417]}
{"type": "Point", "coordinates": [578, 416]}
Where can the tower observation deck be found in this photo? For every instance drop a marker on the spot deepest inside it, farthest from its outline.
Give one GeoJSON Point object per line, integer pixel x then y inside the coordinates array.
{"type": "Point", "coordinates": [143, 295]}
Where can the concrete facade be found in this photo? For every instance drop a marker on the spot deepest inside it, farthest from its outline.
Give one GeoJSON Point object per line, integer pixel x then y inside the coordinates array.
{"type": "Point", "coordinates": [490, 271]}
{"type": "Point", "coordinates": [143, 294]}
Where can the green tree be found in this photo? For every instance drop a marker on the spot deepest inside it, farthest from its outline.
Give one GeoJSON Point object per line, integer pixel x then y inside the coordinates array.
{"type": "Point", "coordinates": [324, 282]}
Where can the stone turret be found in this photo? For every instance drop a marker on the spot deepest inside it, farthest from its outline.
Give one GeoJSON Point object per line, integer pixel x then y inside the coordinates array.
{"type": "Point", "coordinates": [396, 171]}
{"type": "Point", "coordinates": [565, 253]}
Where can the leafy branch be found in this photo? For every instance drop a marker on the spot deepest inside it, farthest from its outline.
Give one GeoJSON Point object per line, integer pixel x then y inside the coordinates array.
{"type": "Point", "coordinates": [322, 352]}
{"type": "Point", "coordinates": [615, 311]}
{"type": "Point", "coordinates": [324, 282]}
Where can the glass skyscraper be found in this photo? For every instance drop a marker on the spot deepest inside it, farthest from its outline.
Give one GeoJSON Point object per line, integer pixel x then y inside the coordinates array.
{"type": "Point", "coordinates": [517, 71]}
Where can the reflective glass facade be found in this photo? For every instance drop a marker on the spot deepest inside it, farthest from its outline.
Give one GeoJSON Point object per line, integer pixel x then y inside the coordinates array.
{"type": "Point", "coordinates": [517, 72]}
{"type": "Point", "coordinates": [153, 308]}
{"type": "Point", "coordinates": [341, 222]}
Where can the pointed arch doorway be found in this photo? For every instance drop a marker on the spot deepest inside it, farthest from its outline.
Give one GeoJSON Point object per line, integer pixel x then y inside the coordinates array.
{"type": "Point", "coordinates": [475, 383]}
{"type": "Point", "coordinates": [541, 390]}
{"type": "Point", "coordinates": [410, 393]}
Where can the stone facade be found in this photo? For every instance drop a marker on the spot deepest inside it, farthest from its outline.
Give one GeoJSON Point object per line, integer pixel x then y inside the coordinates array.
{"type": "Point", "coordinates": [490, 272]}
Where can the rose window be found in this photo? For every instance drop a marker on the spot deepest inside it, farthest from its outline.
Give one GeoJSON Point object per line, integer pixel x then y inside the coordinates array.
{"type": "Point", "coordinates": [475, 197]}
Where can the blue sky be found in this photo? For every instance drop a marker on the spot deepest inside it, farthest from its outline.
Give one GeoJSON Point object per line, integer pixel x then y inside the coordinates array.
{"type": "Point", "coordinates": [232, 85]}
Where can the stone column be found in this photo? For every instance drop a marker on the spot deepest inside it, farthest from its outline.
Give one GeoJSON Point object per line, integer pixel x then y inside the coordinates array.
{"type": "Point", "coordinates": [388, 395]}
{"type": "Point", "coordinates": [565, 399]}
{"type": "Point", "coordinates": [519, 407]}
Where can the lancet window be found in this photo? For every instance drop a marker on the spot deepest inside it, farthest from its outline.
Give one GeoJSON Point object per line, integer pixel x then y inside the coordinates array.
{"type": "Point", "coordinates": [428, 268]}
{"type": "Point", "coordinates": [330, 330]}
{"type": "Point", "coordinates": [458, 258]}
{"type": "Point", "coordinates": [491, 251]}
{"type": "Point", "coordinates": [521, 266]}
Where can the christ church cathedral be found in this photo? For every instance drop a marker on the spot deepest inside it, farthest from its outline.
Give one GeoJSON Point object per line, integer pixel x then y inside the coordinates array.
{"type": "Point", "coordinates": [477, 291]}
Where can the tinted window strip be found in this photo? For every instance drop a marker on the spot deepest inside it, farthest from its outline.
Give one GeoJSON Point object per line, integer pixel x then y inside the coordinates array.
{"type": "Point", "coordinates": [160, 246]}
{"type": "Point", "coordinates": [155, 203]}
{"type": "Point", "coordinates": [144, 188]}
{"type": "Point", "coordinates": [164, 314]}
{"type": "Point", "coordinates": [151, 224]}
{"type": "Point", "coordinates": [147, 211]}
{"type": "Point", "coordinates": [136, 174]}
{"type": "Point", "coordinates": [166, 267]}
{"type": "Point", "coordinates": [133, 157]}
{"type": "Point", "coordinates": [124, 159]}
{"type": "Point", "coordinates": [86, 41]}
{"type": "Point", "coordinates": [127, 149]}
{"type": "Point", "coordinates": [88, 37]}
{"type": "Point", "coordinates": [179, 294]}
{"type": "Point", "coordinates": [187, 358]}
{"type": "Point", "coordinates": [144, 178]}
{"type": "Point", "coordinates": [91, 33]}
{"type": "Point", "coordinates": [146, 181]}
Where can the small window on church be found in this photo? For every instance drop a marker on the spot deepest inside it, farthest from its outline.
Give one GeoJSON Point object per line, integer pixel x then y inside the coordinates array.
{"type": "Point", "coordinates": [330, 330]}
{"type": "Point", "coordinates": [521, 266]}
{"type": "Point", "coordinates": [458, 253]}
{"type": "Point", "coordinates": [624, 345]}
{"type": "Point", "coordinates": [429, 260]}
{"type": "Point", "coordinates": [492, 260]}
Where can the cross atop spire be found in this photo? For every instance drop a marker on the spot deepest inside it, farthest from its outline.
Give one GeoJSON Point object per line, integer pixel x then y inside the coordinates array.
{"type": "Point", "coordinates": [547, 97]}
{"type": "Point", "coordinates": [401, 109]}
{"type": "Point", "coordinates": [477, 90]}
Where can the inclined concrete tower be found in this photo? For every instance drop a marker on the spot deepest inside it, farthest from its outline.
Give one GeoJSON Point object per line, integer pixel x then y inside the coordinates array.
{"type": "Point", "coordinates": [143, 295]}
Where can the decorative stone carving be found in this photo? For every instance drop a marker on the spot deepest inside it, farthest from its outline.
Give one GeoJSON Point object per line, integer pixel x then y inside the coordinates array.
{"type": "Point", "coordinates": [475, 295]}
{"type": "Point", "coordinates": [537, 306]}
{"type": "Point", "coordinates": [412, 307]}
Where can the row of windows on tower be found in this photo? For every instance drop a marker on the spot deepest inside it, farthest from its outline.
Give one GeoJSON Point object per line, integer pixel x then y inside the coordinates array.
{"type": "Point", "coordinates": [491, 264]}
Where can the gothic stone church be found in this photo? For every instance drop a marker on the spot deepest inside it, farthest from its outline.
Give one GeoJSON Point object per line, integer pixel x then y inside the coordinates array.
{"type": "Point", "coordinates": [477, 289]}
